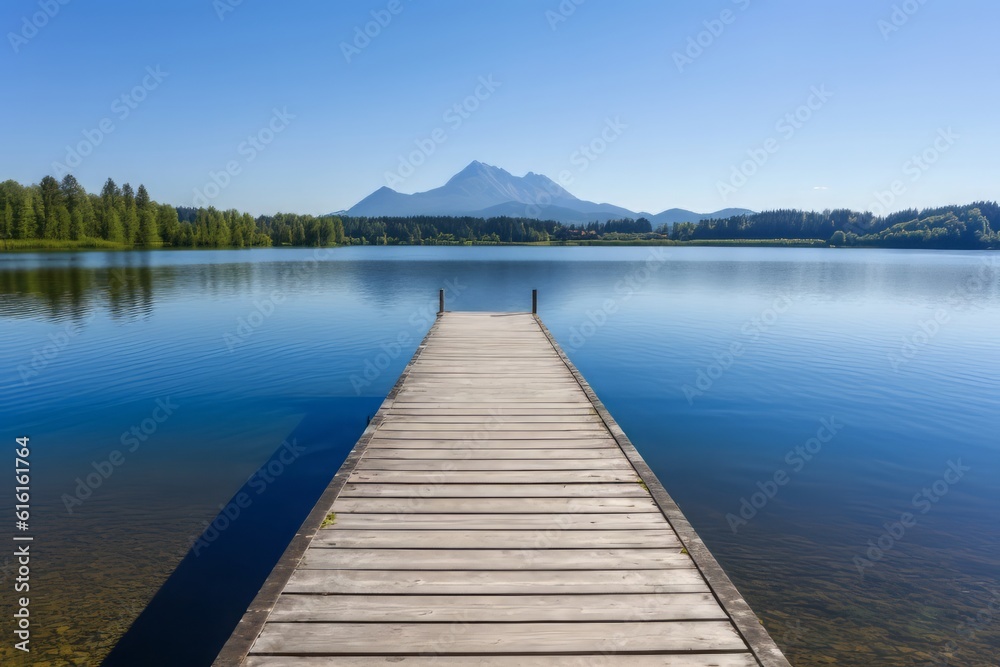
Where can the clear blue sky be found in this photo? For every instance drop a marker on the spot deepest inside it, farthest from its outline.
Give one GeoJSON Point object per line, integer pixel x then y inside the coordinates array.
{"type": "Point", "coordinates": [686, 130]}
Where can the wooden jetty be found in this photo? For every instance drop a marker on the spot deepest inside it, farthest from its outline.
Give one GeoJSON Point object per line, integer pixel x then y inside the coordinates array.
{"type": "Point", "coordinates": [493, 513]}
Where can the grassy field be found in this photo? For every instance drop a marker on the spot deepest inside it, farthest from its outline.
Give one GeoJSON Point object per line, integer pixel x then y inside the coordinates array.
{"type": "Point", "coordinates": [53, 244]}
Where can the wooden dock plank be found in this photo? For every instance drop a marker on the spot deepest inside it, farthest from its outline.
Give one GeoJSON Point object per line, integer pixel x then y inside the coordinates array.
{"type": "Point", "coordinates": [495, 582]}
{"type": "Point", "coordinates": [523, 505]}
{"type": "Point", "coordinates": [603, 659]}
{"type": "Point", "coordinates": [449, 443]}
{"type": "Point", "coordinates": [492, 638]}
{"type": "Point", "coordinates": [574, 521]}
{"type": "Point", "coordinates": [493, 453]}
{"type": "Point", "coordinates": [496, 608]}
{"type": "Point", "coordinates": [584, 490]}
{"type": "Point", "coordinates": [498, 477]}
{"type": "Point", "coordinates": [662, 538]}
{"type": "Point", "coordinates": [494, 514]}
{"type": "Point", "coordinates": [499, 465]}
{"type": "Point", "coordinates": [494, 559]}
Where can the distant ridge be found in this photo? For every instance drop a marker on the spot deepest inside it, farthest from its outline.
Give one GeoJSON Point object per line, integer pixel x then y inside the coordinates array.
{"type": "Point", "coordinates": [483, 191]}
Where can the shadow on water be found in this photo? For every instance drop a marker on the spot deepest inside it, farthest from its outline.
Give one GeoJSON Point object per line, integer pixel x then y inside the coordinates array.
{"type": "Point", "coordinates": [194, 612]}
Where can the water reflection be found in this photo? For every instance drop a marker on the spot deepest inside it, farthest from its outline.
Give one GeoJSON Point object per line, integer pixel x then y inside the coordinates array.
{"type": "Point", "coordinates": [151, 325]}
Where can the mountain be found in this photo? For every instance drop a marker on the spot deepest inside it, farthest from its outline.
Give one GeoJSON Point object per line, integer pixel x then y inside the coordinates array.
{"type": "Point", "coordinates": [484, 191]}
{"type": "Point", "coordinates": [675, 215]}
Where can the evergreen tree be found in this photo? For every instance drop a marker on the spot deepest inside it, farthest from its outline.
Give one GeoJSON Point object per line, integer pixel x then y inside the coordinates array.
{"type": "Point", "coordinates": [25, 223]}
{"type": "Point", "coordinates": [168, 225]}
{"type": "Point", "coordinates": [78, 205]}
{"type": "Point", "coordinates": [115, 232]}
{"type": "Point", "coordinates": [7, 222]}
{"type": "Point", "coordinates": [110, 194]}
{"type": "Point", "coordinates": [55, 215]}
{"type": "Point", "coordinates": [129, 214]}
{"type": "Point", "coordinates": [148, 234]}
{"type": "Point", "coordinates": [141, 198]}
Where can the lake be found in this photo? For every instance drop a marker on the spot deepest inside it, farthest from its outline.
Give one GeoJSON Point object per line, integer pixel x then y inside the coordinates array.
{"type": "Point", "coordinates": [828, 420]}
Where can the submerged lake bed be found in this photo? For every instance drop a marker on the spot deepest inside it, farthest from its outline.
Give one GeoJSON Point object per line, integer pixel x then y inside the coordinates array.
{"type": "Point", "coordinates": [826, 419]}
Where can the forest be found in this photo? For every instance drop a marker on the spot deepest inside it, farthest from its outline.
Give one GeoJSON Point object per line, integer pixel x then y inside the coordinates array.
{"type": "Point", "coordinates": [974, 226]}
{"type": "Point", "coordinates": [62, 214]}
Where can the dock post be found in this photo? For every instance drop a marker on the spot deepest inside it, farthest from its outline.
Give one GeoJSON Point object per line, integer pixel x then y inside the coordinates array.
{"type": "Point", "coordinates": [440, 301]}
{"type": "Point", "coordinates": [534, 302]}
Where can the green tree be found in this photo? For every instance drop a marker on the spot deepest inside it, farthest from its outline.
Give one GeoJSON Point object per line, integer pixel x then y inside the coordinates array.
{"type": "Point", "coordinates": [115, 232]}
{"type": "Point", "coordinates": [148, 233]}
{"type": "Point", "coordinates": [78, 205]}
{"type": "Point", "coordinates": [129, 214]}
{"type": "Point", "coordinates": [7, 222]}
{"type": "Point", "coordinates": [55, 221]}
{"type": "Point", "coordinates": [110, 194]}
{"type": "Point", "coordinates": [148, 229]}
{"type": "Point", "coordinates": [141, 197]}
{"type": "Point", "coordinates": [168, 225]}
{"type": "Point", "coordinates": [25, 223]}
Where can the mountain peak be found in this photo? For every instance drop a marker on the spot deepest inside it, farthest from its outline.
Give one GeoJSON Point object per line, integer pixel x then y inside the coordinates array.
{"type": "Point", "coordinates": [483, 190]}
{"type": "Point", "coordinates": [477, 169]}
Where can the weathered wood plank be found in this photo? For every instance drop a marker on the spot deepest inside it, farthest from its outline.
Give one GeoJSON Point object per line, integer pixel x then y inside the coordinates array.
{"type": "Point", "coordinates": [505, 582]}
{"type": "Point", "coordinates": [428, 454]}
{"type": "Point", "coordinates": [498, 465]}
{"type": "Point", "coordinates": [452, 443]}
{"type": "Point", "coordinates": [494, 559]}
{"type": "Point", "coordinates": [603, 659]}
{"type": "Point", "coordinates": [580, 521]}
{"type": "Point", "coordinates": [523, 505]}
{"type": "Point", "coordinates": [492, 638]}
{"type": "Point", "coordinates": [486, 477]}
{"type": "Point", "coordinates": [491, 428]}
{"type": "Point", "coordinates": [487, 410]}
{"type": "Point", "coordinates": [500, 415]}
{"type": "Point", "coordinates": [665, 538]}
{"type": "Point", "coordinates": [496, 608]}
{"type": "Point", "coordinates": [584, 490]}
{"type": "Point", "coordinates": [487, 434]}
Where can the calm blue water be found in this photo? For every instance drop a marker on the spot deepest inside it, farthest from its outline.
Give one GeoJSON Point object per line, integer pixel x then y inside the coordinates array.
{"type": "Point", "coordinates": [722, 365]}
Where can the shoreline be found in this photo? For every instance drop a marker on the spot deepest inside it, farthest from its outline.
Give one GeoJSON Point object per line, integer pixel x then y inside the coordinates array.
{"type": "Point", "coordinates": [90, 246]}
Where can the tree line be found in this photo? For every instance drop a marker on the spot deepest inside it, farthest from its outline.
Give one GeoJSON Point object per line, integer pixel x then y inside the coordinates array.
{"type": "Point", "coordinates": [61, 212]}
{"type": "Point", "coordinates": [950, 227]}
